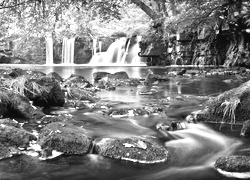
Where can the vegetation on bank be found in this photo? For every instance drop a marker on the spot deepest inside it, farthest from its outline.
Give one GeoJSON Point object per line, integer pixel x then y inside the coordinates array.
{"type": "Point", "coordinates": [218, 31]}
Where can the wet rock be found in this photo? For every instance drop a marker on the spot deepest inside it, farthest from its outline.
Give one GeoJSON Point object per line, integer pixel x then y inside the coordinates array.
{"type": "Point", "coordinates": [48, 94]}
{"type": "Point", "coordinates": [65, 138]}
{"type": "Point", "coordinates": [52, 118]}
{"type": "Point", "coordinates": [35, 74]}
{"type": "Point", "coordinates": [135, 149]}
{"type": "Point", "coordinates": [230, 105]}
{"type": "Point", "coordinates": [76, 81]}
{"type": "Point", "coordinates": [245, 126]}
{"type": "Point", "coordinates": [233, 163]}
{"type": "Point", "coordinates": [56, 76]}
{"type": "Point", "coordinates": [123, 112]}
{"type": "Point", "coordinates": [4, 59]}
{"type": "Point", "coordinates": [19, 106]}
{"type": "Point", "coordinates": [82, 94]}
{"type": "Point", "coordinates": [13, 136]}
{"type": "Point", "coordinates": [16, 72]}
{"type": "Point", "coordinates": [15, 105]}
{"type": "Point", "coordinates": [107, 85]}
{"type": "Point", "coordinates": [10, 122]}
{"type": "Point", "coordinates": [4, 152]}
{"type": "Point", "coordinates": [99, 75]}
{"type": "Point", "coordinates": [118, 75]}
{"type": "Point", "coordinates": [133, 82]}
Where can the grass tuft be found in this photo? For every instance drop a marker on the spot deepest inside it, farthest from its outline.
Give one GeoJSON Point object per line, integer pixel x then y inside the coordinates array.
{"type": "Point", "coordinates": [229, 110]}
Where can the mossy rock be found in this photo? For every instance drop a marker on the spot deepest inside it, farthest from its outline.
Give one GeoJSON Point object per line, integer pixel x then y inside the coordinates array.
{"type": "Point", "coordinates": [135, 149]}
{"type": "Point", "coordinates": [234, 163]}
{"type": "Point", "coordinates": [64, 137]}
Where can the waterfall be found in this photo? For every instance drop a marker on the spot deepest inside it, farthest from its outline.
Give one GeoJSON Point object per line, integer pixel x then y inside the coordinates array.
{"type": "Point", "coordinates": [133, 53]}
{"type": "Point", "coordinates": [94, 47]}
{"type": "Point", "coordinates": [100, 46]}
{"type": "Point", "coordinates": [49, 50]}
{"type": "Point", "coordinates": [68, 49]}
{"type": "Point", "coordinates": [116, 54]}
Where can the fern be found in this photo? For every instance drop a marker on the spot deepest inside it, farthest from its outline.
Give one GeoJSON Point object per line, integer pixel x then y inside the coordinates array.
{"type": "Point", "coordinates": [229, 110]}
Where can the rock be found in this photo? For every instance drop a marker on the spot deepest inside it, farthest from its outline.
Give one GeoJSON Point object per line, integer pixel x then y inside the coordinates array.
{"type": "Point", "coordinates": [60, 118]}
{"type": "Point", "coordinates": [234, 166]}
{"type": "Point", "coordinates": [76, 81]}
{"type": "Point", "coordinates": [4, 152]}
{"type": "Point", "coordinates": [56, 76]}
{"type": "Point", "coordinates": [35, 74]}
{"type": "Point", "coordinates": [118, 75]}
{"type": "Point", "coordinates": [245, 126]}
{"type": "Point", "coordinates": [16, 72]}
{"type": "Point", "coordinates": [99, 75]}
{"type": "Point", "coordinates": [48, 93]}
{"type": "Point", "coordinates": [65, 138]}
{"type": "Point", "coordinates": [10, 122]}
{"type": "Point", "coordinates": [135, 149]}
{"type": "Point", "coordinates": [4, 59]}
{"type": "Point", "coordinates": [236, 100]}
{"type": "Point", "coordinates": [19, 106]}
{"type": "Point", "coordinates": [82, 94]}
{"type": "Point", "coordinates": [107, 85]}
{"type": "Point", "coordinates": [124, 112]}
{"type": "Point", "coordinates": [13, 136]}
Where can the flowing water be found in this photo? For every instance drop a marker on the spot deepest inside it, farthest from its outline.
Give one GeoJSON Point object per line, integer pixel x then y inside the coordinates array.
{"type": "Point", "coordinates": [193, 150]}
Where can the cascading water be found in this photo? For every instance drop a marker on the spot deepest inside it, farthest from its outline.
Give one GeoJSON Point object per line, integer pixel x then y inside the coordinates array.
{"type": "Point", "coordinates": [117, 54]}
{"type": "Point", "coordinates": [68, 51]}
{"type": "Point", "coordinates": [49, 50]}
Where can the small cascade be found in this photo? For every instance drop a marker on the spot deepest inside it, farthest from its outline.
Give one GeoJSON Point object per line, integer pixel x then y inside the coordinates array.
{"type": "Point", "coordinates": [100, 46]}
{"type": "Point", "coordinates": [68, 51]}
{"type": "Point", "coordinates": [117, 53]}
{"type": "Point", "coordinates": [49, 51]}
{"type": "Point", "coordinates": [94, 47]}
{"type": "Point", "coordinates": [136, 60]}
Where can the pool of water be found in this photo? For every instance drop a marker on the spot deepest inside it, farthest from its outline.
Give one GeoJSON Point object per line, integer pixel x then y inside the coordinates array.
{"type": "Point", "coordinates": [193, 150]}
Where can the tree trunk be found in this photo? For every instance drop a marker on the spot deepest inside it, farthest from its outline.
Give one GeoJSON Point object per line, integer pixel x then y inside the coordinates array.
{"type": "Point", "coordinates": [150, 12]}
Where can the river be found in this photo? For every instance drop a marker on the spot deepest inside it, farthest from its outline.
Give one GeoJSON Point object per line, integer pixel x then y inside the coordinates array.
{"type": "Point", "coordinates": [193, 150]}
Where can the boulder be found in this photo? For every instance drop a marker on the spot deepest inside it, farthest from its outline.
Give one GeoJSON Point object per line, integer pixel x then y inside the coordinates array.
{"type": "Point", "coordinates": [4, 152]}
{"type": "Point", "coordinates": [65, 138]}
{"type": "Point", "coordinates": [4, 59]}
{"type": "Point", "coordinates": [16, 137]}
{"type": "Point", "coordinates": [47, 93]}
{"type": "Point", "coordinates": [233, 164]}
{"type": "Point", "coordinates": [56, 76]}
{"type": "Point", "coordinates": [35, 74]}
{"type": "Point", "coordinates": [16, 72]}
{"type": "Point", "coordinates": [82, 94]}
{"type": "Point", "coordinates": [107, 85]}
{"type": "Point", "coordinates": [52, 118]}
{"type": "Point", "coordinates": [99, 75]}
{"type": "Point", "coordinates": [118, 75]}
{"type": "Point", "coordinates": [135, 149]}
{"type": "Point", "coordinates": [228, 106]}
{"type": "Point", "coordinates": [19, 106]}
{"type": "Point", "coordinates": [76, 81]}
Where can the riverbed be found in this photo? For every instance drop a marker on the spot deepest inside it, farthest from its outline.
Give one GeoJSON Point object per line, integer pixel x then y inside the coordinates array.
{"type": "Point", "coordinates": [193, 150]}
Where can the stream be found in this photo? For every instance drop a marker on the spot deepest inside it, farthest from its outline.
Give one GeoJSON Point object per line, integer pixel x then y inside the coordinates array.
{"type": "Point", "coordinates": [193, 150]}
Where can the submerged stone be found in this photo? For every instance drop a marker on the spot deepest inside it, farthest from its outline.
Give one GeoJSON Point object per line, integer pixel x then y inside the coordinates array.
{"type": "Point", "coordinates": [135, 149]}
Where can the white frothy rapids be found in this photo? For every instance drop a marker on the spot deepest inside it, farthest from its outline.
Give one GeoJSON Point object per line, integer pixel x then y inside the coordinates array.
{"type": "Point", "coordinates": [194, 150]}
